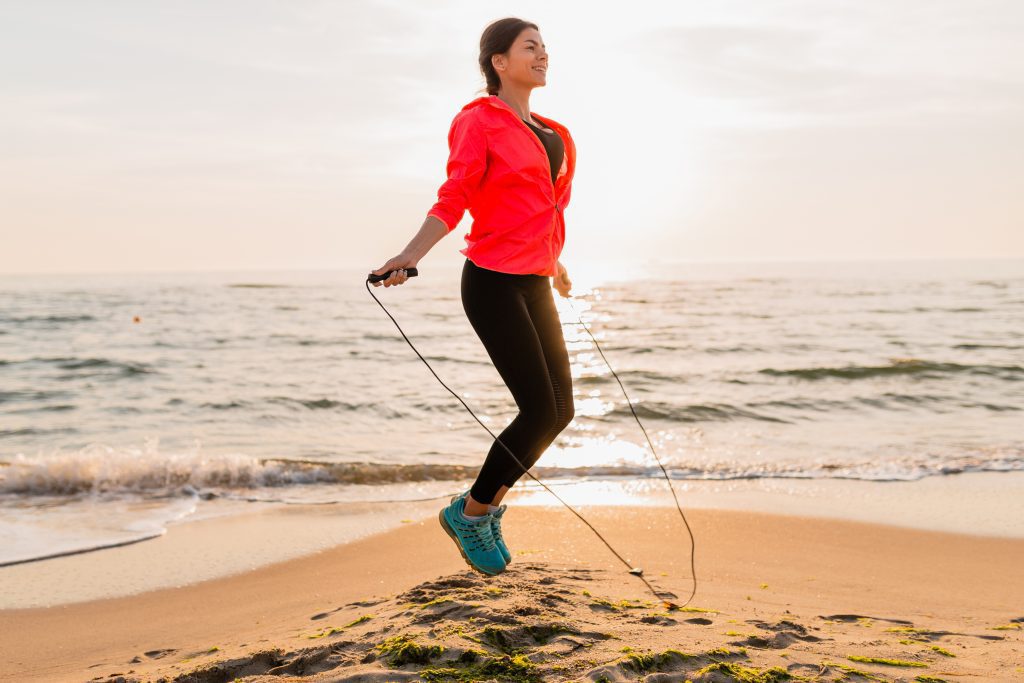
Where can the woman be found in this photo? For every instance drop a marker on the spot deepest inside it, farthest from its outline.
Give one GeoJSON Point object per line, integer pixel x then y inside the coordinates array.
{"type": "Point", "coordinates": [513, 171]}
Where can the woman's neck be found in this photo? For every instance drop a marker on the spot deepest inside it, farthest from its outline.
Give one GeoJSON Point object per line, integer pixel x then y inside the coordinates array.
{"type": "Point", "coordinates": [519, 101]}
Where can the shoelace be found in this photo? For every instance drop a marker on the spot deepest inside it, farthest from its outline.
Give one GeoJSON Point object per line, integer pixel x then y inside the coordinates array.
{"type": "Point", "coordinates": [479, 533]}
{"type": "Point", "coordinates": [496, 528]}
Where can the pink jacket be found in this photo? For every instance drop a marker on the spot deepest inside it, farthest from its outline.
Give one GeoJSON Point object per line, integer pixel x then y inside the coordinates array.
{"type": "Point", "coordinates": [499, 170]}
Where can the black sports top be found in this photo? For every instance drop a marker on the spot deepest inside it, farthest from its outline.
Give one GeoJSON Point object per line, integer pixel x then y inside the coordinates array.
{"type": "Point", "coordinates": [554, 145]}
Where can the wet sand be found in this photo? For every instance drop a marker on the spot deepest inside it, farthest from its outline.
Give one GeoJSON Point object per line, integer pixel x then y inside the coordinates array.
{"type": "Point", "coordinates": [806, 597]}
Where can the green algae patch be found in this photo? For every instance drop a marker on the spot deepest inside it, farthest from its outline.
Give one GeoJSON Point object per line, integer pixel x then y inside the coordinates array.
{"type": "Point", "coordinates": [436, 602]}
{"type": "Point", "coordinates": [913, 634]}
{"type": "Point", "coordinates": [497, 638]}
{"type": "Point", "coordinates": [944, 653]}
{"type": "Point", "coordinates": [400, 650]}
{"type": "Point", "coordinates": [851, 671]}
{"type": "Point", "coordinates": [645, 662]}
{"type": "Point", "coordinates": [930, 679]}
{"type": "Point", "coordinates": [699, 609]}
{"type": "Point", "coordinates": [365, 617]}
{"type": "Point", "coordinates": [1007, 627]}
{"type": "Point", "coordinates": [747, 674]}
{"type": "Point", "coordinates": [517, 668]}
{"type": "Point", "coordinates": [621, 604]}
{"type": "Point", "coordinates": [882, 660]}
{"type": "Point", "coordinates": [325, 632]}
{"type": "Point", "coordinates": [445, 673]}
{"type": "Point", "coordinates": [542, 633]}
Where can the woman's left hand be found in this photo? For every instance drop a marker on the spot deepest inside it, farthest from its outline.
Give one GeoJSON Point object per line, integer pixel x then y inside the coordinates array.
{"type": "Point", "coordinates": [562, 282]}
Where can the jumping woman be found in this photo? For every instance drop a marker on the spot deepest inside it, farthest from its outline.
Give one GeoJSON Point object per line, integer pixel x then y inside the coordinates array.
{"type": "Point", "coordinates": [513, 170]}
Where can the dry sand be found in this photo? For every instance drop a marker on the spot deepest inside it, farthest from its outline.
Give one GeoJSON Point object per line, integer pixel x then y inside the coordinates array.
{"type": "Point", "coordinates": [778, 596]}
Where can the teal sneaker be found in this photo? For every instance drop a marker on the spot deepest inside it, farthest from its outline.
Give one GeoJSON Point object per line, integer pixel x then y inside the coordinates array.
{"type": "Point", "coordinates": [473, 538]}
{"type": "Point", "coordinates": [495, 528]}
{"type": "Point", "coordinates": [496, 533]}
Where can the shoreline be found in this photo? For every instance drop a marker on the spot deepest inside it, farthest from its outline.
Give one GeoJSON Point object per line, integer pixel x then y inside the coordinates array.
{"type": "Point", "coordinates": [749, 565]}
{"type": "Point", "coordinates": [223, 541]}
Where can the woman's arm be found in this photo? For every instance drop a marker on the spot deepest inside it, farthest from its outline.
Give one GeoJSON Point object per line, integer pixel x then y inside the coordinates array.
{"type": "Point", "coordinates": [561, 281]}
{"type": "Point", "coordinates": [431, 232]}
{"type": "Point", "coordinates": [467, 164]}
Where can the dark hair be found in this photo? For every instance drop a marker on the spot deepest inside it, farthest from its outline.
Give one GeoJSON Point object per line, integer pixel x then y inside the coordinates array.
{"type": "Point", "coordinates": [497, 38]}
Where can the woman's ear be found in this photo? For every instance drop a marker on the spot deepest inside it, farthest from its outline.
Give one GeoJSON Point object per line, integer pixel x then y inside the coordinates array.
{"type": "Point", "coordinates": [498, 62]}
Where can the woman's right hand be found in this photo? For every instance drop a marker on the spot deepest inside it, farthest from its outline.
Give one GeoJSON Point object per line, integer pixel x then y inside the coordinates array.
{"type": "Point", "coordinates": [397, 264]}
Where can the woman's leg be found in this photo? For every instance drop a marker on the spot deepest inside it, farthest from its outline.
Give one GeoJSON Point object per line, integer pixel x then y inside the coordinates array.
{"type": "Point", "coordinates": [500, 307]}
{"type": "Point", "coordinates": [541, 305]}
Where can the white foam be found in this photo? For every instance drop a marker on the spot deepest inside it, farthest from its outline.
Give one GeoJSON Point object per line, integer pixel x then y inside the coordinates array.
{"type": "Point", "coordinates": [99, 468]}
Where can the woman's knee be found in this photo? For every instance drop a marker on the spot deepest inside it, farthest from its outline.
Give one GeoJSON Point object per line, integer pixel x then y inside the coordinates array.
{"type": "Point", "coordinates": [567, 416]}
{"type": "Point", "coordinates": [544, 418]}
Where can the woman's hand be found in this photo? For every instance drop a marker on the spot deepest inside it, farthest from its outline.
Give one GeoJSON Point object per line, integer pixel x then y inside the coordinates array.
{"type": "Point", "coordinates": [397, 264]}
{"type": "Point", "coordinates": [562, 282]}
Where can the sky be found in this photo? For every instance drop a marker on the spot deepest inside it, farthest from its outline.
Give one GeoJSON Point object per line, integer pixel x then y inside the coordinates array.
{"type": "Point", "coordinates": [245, 135]}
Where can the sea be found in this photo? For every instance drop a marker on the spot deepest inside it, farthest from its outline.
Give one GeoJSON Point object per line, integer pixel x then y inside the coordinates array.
{"type": "Point", "coordinates": [130, 402]}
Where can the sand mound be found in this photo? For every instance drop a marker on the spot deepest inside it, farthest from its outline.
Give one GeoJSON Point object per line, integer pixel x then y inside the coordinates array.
{"type": "Point", "coordinates": [536, 622]}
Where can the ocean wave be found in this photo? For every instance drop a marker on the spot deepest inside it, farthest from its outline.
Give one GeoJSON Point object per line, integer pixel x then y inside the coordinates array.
{"type": "Point", "coordinates": [976, 347]}
{"type": "Point", "coordinates": [897, 367]}
{"type": "Point", "coordinates": [256, 285]}
{"type": "Point", "coordinates": [36, 431]}
{"type": "Point", "coordinates": [103, 470]}
{"type": "Point", "coordinates": [705, 412]}
{"type": "Point", "coordinates": [31, 395]}
{"type": "Point", "coordinates": [927, 309]}
{"type": "Point", "coordinates": [628, 377]}
{"type": "Point", "coordinates": [125, 368]}
{"type": "Point", "coordinates": [47, 319]}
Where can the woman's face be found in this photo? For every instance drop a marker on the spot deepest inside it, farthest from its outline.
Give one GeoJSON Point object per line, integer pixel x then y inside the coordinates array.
{"type": "Point", "coordinates": [526, 62]}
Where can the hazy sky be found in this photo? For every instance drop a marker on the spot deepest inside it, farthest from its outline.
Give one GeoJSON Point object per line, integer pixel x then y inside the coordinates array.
{"type": "Point", "coordinates": [143, 136]}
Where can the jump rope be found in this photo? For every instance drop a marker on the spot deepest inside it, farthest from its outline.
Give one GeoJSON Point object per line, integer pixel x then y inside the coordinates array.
{"type": "Point", "coordinates": [635, 571]}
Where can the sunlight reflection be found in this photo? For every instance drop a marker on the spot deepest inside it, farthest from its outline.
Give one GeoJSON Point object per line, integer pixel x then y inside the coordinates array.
{"type": "Point", "coordinates": [588, 451]}
{"type": "Point", "coordinates": [649, 493]}
{"type": "Point", "coordinates": [592, 407]}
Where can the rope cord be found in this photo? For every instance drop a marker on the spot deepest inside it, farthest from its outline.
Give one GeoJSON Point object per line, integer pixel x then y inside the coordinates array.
{"type": "Point", "coordinates": [663, 596]}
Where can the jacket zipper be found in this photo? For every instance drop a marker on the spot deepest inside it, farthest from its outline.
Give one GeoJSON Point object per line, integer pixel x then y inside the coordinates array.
{"type": "Point", "coordinates": [554, 200]}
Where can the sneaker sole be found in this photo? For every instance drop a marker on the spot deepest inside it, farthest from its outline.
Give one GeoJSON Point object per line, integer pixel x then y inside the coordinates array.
{"type": "Point", "coordinates": [458, 544]}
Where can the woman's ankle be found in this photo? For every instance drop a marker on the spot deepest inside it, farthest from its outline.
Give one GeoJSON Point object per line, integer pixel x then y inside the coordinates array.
{"type": "Point", "coordinates": [474, 508]}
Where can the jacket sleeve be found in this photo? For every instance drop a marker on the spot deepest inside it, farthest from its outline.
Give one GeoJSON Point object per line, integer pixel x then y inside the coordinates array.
{"type": "Point", "coordinates": [568, 189]}
{"type": "Point", "coordinates": [467, 163]}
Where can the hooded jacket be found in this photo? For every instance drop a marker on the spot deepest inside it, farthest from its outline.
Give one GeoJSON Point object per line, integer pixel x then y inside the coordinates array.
{"type": "Point", "coordinates": [499, 171]}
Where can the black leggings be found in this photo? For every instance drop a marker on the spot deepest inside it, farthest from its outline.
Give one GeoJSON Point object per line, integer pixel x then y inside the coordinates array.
{"type": "Point", "coordinates": [516, 319]}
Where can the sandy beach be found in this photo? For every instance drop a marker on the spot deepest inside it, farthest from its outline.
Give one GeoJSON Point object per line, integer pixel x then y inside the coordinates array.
{"type": "Point", "coordinates": [779, 597]}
